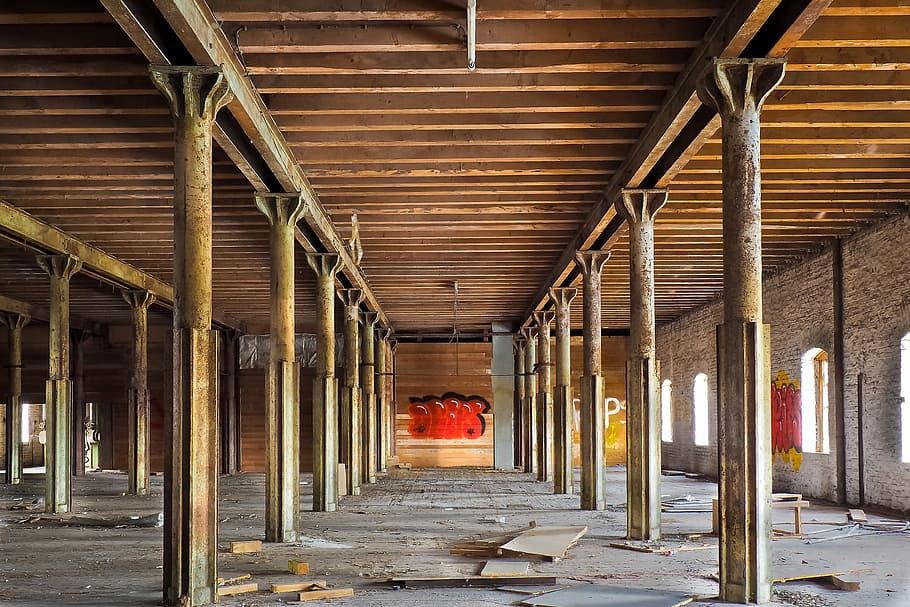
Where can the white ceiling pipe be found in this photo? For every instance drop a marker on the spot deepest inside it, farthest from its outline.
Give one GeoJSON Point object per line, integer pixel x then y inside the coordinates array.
{"type": "Point", "coordinates": [472, 31]}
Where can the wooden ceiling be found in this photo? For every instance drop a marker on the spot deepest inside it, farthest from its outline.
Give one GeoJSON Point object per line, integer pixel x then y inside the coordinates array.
{"type": "Point", "coordinates": [490, 178]}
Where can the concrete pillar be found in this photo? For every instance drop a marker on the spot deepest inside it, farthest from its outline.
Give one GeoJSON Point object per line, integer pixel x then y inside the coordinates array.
{"type": "Point", "coordinates": [503, 383]}
{"type": "Point", "coordinates": [139, 412]}
{"type": "Point", "coordinates": [593, 415]}
{"type": "Point", "coordinates": [59, 403]}
{"type": "Point", "coordinates": [368, 403]}
{"type": "Point", "coordinates": [529, 409]}
{"type": "Point", "coordinates": [325, 391]}
{"type": "Point", "coordinates": [638, 208]}
{"type": "Point", "coordinates": [382, 398]}
{"type": "Point", "coordinates": [195, 95]}
{"type": "Point", "coordinates": [230, 412]}
{"type": "Point", "coordinates": [78, 418]}
{"type": "Point", "coordinates": [282, 486]}
{"type": "Point", "coordinates": [519, 431]}
{"type": "Point", "coordinates": [563, 414]}
{"type": "Point", "coordinates": [15, 323]}
{"type": "Point", "coordinates": [736, 88]}
{"type": "Point", "coordinates": [544, 319]}
{"type": "Point", "coordinates": [350, 411]}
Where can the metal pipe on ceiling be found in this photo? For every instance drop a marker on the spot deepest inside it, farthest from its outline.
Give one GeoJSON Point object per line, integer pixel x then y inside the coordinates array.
{"type": "Point", "coordinates": [472, 33]}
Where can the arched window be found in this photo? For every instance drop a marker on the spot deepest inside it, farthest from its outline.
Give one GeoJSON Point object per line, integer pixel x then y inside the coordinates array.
{"type": "Point", "coordinates": [814, 396]}
{"type": "Point", "coordinates": [666, 412]}
{"type": "Point", "coordinates": [700, 400]}
{"type": "Point", "coordinates": [905, 398]}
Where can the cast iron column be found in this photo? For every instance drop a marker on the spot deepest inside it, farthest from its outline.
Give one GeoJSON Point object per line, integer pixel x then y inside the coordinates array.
{"type": "Point", "coordinates": [544, 319]}
{"type": "Point", "coordinates": [282, 389]}
{"type": "Point", "coordinates": [230, 422]}
{"type": "Point", "coordinates": [638, 208]}
{"type": "Point", "coordinates": [529, 409]}
{"type": "Point", "coordinates": [78, 416]}
{"type": "Point", "coordinates": [59, 403]}
{"type": "Point", "coordinates": [518, 428]}
{"type": "Point", "coordinates": [368, 404]}
{"type": "Point", "coordinates": [325, 401]}
{"type": "Point", "coordinates": [593, 416]}
{"type": "Point", "coordinates": [195, 95]}
{"type": "Point", "coordinates": [736, 88]}
{"type": "Point", "coordinates": [382, 397]}
{"type": "Point", "coordinates": [15, 323]}
{"type": "Point", "coordinates": [138, 471]}
{"type": "Point", "coordinates": [563, 468]}
{"type": "Point", "coordinates": [349, 412]}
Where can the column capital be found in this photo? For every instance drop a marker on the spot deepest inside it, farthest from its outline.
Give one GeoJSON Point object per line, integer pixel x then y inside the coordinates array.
{"type": "Point", "coordinates": [14, 321]}
{"type": "Point", "coordinates": [562, 296]}
{"type": "Point", "coordinates": [351, 298]}
{"type": "Point", "coordinates": [61, 267]}
{"type": "Point", "coordinates": [543, 318]}
{"type": "Point", "coordinates": [370, 319]}
{"type": "Point", "coordinates": [383, 333]}
{"type": "Point", "coordinates": [640, 205]}
{"type": "Point", "coordinates": [192, 91]}
{"type": "Point", "coordinates": [518, 342]}
{"type": "Point", "coordinates": [528, 333]}
{"type": "Point", "coordinates": [325, 265]}
{"type": "Point", "coordinates": [281, 208]}
{"type": "Point", "coordinates": [732, 85]}
{"type": "Point", "coordinates": [591, 261]}
{"type": "Point", "coordinates": [138, 298]}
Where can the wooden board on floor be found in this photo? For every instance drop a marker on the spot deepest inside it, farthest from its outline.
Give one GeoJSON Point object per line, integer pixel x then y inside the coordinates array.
{"type": "Point", "coordinates": [246, 547]}
{"type": "Point", "coordinates": [505, 568]}
{"type": "Point", "coordinates": [334, 593]}
{"type": "Point", "coordinates": [816, 575]}
{"type": "Point", "coordinates": [857, 515]}
{"type": "Point", "coordinates": [474, 581]}
{"type": "Point", "coordinates": [298, 567]}
{"type": "Point", "coordinates": [599, 595]}
{"type": "Point", "coordinates": [238, 589]}
{"type": "Point", "coordinates": [299, 586]}
{"type": "Point", "coordinates": [549, 542]}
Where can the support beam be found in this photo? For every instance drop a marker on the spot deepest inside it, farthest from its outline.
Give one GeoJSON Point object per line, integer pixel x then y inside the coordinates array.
{"type": "Point", "coordinates": [529, 408]}
{"type": "Point", "coordinates": [195, 95]}
{"type": "Point", "coordinates": [736, 88]}
{"type": "Point", "coordinates": [384, 414]}
{"type": "Point", "coordinates": [325, 401]}
{"type": "Point", "coordinates": [368, 403]}
{"type": "Point", "coordinates": [543, 320]}
{"type": "Point", "coordinates": [638, 208]}
{"type": "Point", "coordinates": [138, 471]}
{"type": "Point", "coordinates": [14, 323]}
{"type": "Point", "coordinates": [282, 520]}
{"type": "Point", "coordinates": [59, 404]}
{"type": "Point", "coordinates": [593, 416]}
{"type": "Point", "coordinates": [349, 414]}
{"type": "Point", "coordinates": [563, 409]}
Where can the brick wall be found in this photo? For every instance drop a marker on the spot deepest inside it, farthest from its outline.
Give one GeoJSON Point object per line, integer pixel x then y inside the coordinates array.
{"type": "Point", "coordinates": [799, 306]}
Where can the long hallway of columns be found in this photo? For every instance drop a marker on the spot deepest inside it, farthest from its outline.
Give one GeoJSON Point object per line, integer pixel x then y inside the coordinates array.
{"type": "Point", "coordinates": [638, 208]}
{"type": "Point", "coordinates": [349, 414]}
{"type": "Point", "coordinates": [736, 88]}
{"type": "Point", "coordinates": [195, 95]}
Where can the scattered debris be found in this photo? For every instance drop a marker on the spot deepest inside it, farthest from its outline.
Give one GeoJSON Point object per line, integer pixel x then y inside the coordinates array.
{"type": "Point", "coordinates": [298, 586]}
{"type": "Point", "coordinates": [298, 567]}
{"type": "Point", "coordinates": [148, 521]}
{"type": "Point", "coordinates": [246, 547]}
{"type": "Point", "coordinates": [658, 547]}
{"type": "Point", "coordinates": [334, 593]}
{"type": "Point", "coordinates": [238, 589]}
{"type": "Point", "coordinates": [686, 503]}
{"type": "Point", "coordinates": [318, 542]}
{"type": "Point", "coordinates": [599, 595]}
{"type": "Point", "coordinates": [505, 568]}
{"type": "Point", "coordinates": [233, 580]}
{"type": "Point", "coordinates": [800, 599]}
{"type": "Point", "coordinates": [472, 581]}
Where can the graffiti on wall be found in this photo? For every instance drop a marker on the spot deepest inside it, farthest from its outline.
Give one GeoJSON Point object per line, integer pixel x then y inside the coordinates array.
{"type": "Point", "coordinates": [451, 416]}
{"type": "Point", "coordinates": [786, 420]}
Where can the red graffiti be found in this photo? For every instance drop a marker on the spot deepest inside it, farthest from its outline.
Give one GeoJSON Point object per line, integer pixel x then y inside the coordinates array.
{"type": "Point", "coordinates": [786, 420]}
{"type": "Point", "coordinates": [452, 416]}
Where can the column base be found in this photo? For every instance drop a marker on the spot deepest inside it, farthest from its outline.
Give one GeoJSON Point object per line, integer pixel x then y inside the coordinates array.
{"type": "Point", "coordinates": [593, 417]}
{"type": "Point", "coordinates": [325, 445]}
{"type": "Point", "coordinates": [642, 448]}
{"type": "Point", "coordinates": [58, 488]}
{"type": "Point", "coordinates": [13, 447]}
{"type": "Point", "coordinates": [349, 437]}
{"type": "Point", "coordinates": [544, 436]}
{"type": "Point", "coordinates": [563, 469]}
{"type": "Point", "coordinates": [283, 455]}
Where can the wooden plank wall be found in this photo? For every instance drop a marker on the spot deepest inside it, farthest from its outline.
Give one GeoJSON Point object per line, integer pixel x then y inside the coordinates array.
{"type": "Point", "coordinates": [432, 369]}
{"type": "Point", "coordinates": [252, 420]}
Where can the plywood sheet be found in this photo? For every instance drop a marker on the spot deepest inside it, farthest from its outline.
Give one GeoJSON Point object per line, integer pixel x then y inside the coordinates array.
{"type": "Point", "coordinates": [596, 595]}
{"type": "Point", "coordinates": [551, 542]}
{"type": "Point", "coordinates": [502, 568]}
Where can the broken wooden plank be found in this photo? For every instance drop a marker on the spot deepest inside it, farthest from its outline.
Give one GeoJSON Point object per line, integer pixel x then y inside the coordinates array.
{"type": "Point", "coordinates": [843, 584]}
{"type": "Point", "coordinates": [549, 542]}
{"type": "Point", "coordinates": [472, 581]}
{"type": "Point", "coordinates": [233, 580]}
{"type": "Point", "coordinates": [334, 593]}
{"type": "Point", "coordinates": [238, 589]}
{"type": "Point", "coordinates": [246, 547]}
{"type": "Point", "coordinates": [857, 515]}
{"type": "Point", "coordinates": [299, 586]}
{"type": "Point", "coordinates": [298, 567]}
{"type": "Point", "coordinates": [816, 575]}
{"type": "Point", "coordinates": [505, 568]}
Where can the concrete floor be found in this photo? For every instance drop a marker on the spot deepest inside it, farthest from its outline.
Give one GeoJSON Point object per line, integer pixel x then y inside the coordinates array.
{"type": "Point", "coordinates": [404, 526]}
